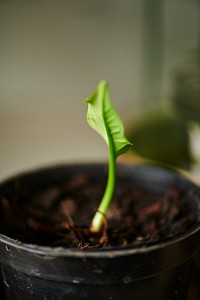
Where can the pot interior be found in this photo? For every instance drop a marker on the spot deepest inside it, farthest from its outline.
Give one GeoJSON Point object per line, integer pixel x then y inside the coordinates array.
{"type": "Point", "coordinates": [54, 206]}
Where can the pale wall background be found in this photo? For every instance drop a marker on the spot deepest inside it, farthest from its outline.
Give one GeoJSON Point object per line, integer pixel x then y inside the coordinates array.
{"type": "Point", "coordinates": [54, 52]}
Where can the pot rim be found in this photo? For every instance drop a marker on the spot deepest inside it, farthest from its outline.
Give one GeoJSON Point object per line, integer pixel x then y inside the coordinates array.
{"type": "Point", "coordinates": [103, 252]}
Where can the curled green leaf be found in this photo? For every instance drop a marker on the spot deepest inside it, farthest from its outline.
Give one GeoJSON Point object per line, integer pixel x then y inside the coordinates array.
{"type": "Point", "coordinates": [104, 119]}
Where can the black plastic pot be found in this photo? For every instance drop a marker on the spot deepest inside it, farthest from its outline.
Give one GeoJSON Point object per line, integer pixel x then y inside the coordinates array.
{"type": "Point", "coordinates": [155, 272]}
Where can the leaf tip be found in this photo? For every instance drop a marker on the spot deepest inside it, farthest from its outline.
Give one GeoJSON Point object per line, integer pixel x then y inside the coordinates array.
{"type": "Point", "coordinates": [87, 100]}
{"type": "Point", "coordinates": [103, 84]}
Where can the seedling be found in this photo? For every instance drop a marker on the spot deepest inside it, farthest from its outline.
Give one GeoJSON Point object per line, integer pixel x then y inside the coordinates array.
{"type": "Point", "coordinates": [104, 119]}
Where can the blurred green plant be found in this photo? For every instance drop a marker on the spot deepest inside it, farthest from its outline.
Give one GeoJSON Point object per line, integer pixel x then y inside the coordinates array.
{"type": "Point", "coordinates": [162, 138]}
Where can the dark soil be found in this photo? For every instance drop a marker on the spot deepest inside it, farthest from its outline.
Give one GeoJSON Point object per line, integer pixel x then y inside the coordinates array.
{"type": "Point", "coordinates": [60, 215]}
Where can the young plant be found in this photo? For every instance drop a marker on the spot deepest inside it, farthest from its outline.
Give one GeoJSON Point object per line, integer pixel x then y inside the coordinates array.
{"type": "Point", "coordinates": [104, 119]}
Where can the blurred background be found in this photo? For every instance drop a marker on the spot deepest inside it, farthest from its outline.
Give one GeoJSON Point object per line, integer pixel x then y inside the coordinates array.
{"type": "Point", "coordinates": [53, 53]}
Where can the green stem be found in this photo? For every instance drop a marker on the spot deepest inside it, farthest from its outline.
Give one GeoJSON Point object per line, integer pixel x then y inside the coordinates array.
{"type": "Point", "coordinates": [99, 216]}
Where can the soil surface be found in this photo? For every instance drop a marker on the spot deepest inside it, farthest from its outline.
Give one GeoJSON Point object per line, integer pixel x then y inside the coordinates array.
{"type": "Point", "coordinates": [60, 215]}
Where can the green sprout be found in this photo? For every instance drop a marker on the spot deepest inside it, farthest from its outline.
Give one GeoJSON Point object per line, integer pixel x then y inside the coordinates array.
{"type": "Point", "coordinates": [104, 119]}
